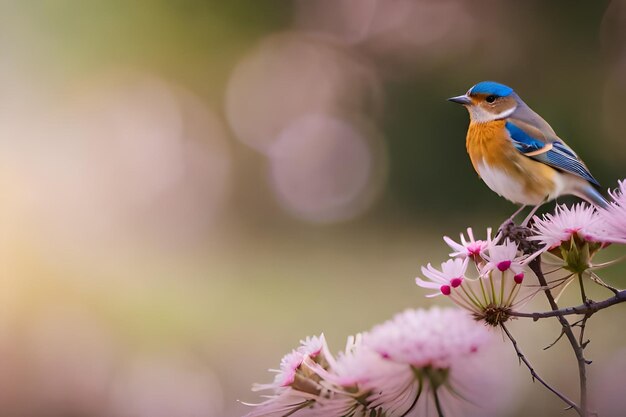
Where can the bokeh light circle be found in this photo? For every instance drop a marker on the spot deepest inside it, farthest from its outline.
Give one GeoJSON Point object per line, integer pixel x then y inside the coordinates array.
{"type": "Point", "coordinates": [349, 21]}
{"type": "Point", "coordinates": [325, 169]}
{"type": "Point", "coordinates": [404, 35]}
{"type": "Point", "coordinates": [130, 157]}
{"type": "Point", "coordinates": [292, 74]}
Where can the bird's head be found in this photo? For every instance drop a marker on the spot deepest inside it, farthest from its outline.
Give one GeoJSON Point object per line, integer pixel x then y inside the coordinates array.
{"type": "Point", "coordinates": [488, 101]}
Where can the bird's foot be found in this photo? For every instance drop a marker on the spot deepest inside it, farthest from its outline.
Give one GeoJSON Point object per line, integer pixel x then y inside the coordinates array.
{"type": "Point", "coordinates": [518, 234]}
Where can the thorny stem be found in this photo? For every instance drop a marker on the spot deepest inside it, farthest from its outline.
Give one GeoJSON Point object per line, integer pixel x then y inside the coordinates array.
{"type": "Point", "coordinates": [535, 265]}
{"type": "Point", "coordinates": [581, 337]}
{"type": "Point", "coordinates": [589, 308]}
{"type": "Point", "coordinates": [534, 374]}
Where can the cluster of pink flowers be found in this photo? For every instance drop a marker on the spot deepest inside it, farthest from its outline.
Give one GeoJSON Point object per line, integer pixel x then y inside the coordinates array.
{"type": "Point", "coordinates": [574, 235]}
{"type": "Point", "coordinates": [383, 372]}
{"type": "Point", "coordinates": [496, 284]}
{"type": "Point", "coordinates": [420, 354]}
{"type": "Point", "coordinates": [486, 276]}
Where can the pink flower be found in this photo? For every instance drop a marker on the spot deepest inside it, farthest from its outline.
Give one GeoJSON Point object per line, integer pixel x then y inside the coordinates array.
{"type": "Point", "coordinates": [362, 366]}
{"type": "Point", "coordinates": [286, 374]}
{"type": "Point", "coordinates": [389, 371]}
{"type": "Point", "coordinates": [385, 384]}
{"type": "Point", "coordinates": [289, 364]}
{"type": "Point", "coordinates": [451, 276]}
{"type": "Point", "coordinates": [297, 385]}
{"type": "Point", "coordinates": [316, 348]}
{"type": "Point", "coordinates": [613, 217]}
{"type": "Point", "coordinates": [311, 352]}
{"type": "Point", "coordinates": [470, 247]}
{"type": "Point", "coordinates": [580, 221]}
{"type": "Point", "coordinates": [504, 257]}
{"type": "Point", "coordinates": [427, 338]}
{"type": "Point", "coordinates": [493, 293]}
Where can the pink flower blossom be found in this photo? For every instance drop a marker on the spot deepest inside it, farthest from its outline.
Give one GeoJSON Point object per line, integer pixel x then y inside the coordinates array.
{"type": "Point", "coordinates": [385, 384]}
{"type": "Point", "coordinates": [290, 364]}
{"type": "Point", "coordinates": [451, 276]}
{"type": "Point", "coordinates": [313, 346]}
{"type": "Point", "coordinates": [427, 338]}
{"type": "Point", "coordinates": [384, 372]}
{"type": "Point", "coordinates": [312, 383]}
{"type": "Point", "coordinates": [493, 293]}
{"type": "Point", "coordinates": [469, 247]}
{"type": "Point", "coordinates": [580, 221]}
{"type": "Point", "coordinates": [286, 374]}
{"type": "Point", "coordinates": [613, 217]}
{"type": "Point", "coordinates": [362, 366]}
{"type": "Point", "coordinates": [504, 257]}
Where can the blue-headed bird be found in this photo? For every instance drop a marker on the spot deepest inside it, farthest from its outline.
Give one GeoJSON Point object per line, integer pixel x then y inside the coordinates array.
{"type": "Point", "coordinates": [516, 152]}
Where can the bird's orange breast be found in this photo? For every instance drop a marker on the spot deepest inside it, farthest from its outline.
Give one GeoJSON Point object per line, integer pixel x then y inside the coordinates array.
{"type": "Point", "coordinates": [488, 144]}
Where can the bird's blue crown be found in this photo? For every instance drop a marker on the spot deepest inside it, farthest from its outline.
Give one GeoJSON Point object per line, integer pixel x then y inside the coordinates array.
{"type": "Point", "coordinates": [491, 87]}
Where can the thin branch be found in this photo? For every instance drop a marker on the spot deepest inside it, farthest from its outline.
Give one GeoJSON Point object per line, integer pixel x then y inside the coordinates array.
{"type": "Point", "coordinates": [586, 309]}
{"type": "Point", "coordinates": [535, 265]}
{"type": "Point", "coordinates": [534, 374]}
{"type": "Point", "coordinates": [556, 340]}
{"type": "Point", "coordinates": [581, 337]}
{"type": "Point", "coordinates": [595, 278]}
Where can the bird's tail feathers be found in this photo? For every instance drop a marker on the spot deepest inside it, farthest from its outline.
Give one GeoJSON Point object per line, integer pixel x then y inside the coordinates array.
{"type": "Point", "coordinates": [593, 196]}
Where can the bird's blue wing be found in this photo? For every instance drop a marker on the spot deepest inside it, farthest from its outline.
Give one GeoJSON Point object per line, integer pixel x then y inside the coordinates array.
{"type": "Point", "coordinates": [554, 153]}
{"type": "Point", "coordinates": [523, 141]}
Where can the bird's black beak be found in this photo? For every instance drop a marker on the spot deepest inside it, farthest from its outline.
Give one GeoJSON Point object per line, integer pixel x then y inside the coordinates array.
{"type": "Point", "coordinates": [464, 99]}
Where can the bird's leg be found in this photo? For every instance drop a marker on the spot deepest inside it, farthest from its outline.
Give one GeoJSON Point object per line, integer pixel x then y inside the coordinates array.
{"type": "Point", "coordinates": [530, 215]}
{"type": "Point", "coordinates": [532, 212]}
{"type": "Point", "coordinates": [510, 219]}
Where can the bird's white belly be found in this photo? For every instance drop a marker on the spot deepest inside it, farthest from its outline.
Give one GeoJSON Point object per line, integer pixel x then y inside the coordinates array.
{"type": "Point", "coordinates": [506, 186]}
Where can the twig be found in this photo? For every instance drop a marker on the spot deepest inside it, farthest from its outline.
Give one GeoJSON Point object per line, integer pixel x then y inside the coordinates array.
{"type": "Point", "coordinates": [535, 265]}
{"type": "Point", "coordinates": [556, 340]}
{"type": "Point", "coordinates": [534, 374]}
{"type": "Point", "coordinates": [581, 337]}
{"type": "Point", "coordinates": [595, 278]}
{"type": "Point", "coordinates": [589, 308]}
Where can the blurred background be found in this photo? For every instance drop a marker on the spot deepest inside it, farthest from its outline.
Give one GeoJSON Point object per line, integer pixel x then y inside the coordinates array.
{"type": "Point", "coordinates": [188, 188]}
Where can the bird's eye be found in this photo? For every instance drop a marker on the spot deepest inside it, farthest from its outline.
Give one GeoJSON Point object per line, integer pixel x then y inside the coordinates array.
{"type": "Point", "coordinates": [490, 99]}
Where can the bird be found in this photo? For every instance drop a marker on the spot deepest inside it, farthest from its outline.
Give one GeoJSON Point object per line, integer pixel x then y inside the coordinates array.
{"type": "Point", "coordinates": [518, 154]}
